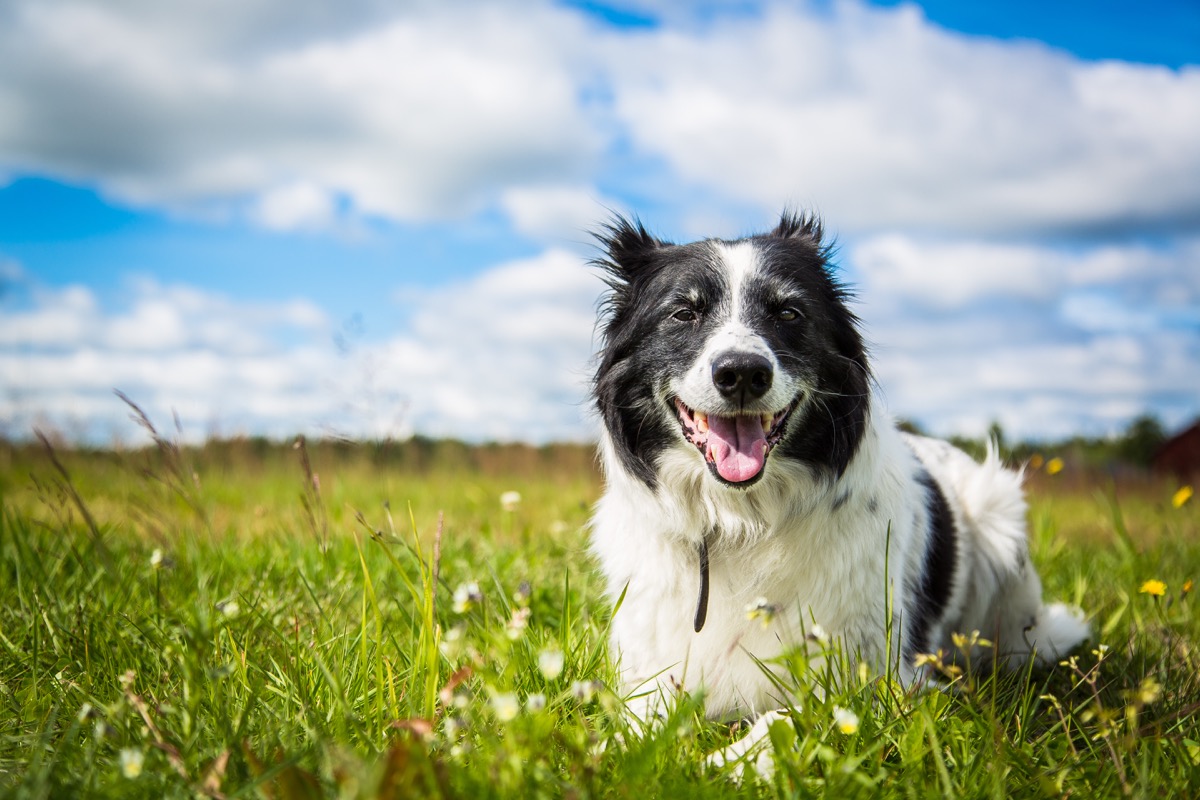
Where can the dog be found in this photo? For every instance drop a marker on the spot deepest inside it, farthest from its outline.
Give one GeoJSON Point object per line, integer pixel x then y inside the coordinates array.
{"type": "Point", "coordinates": [750, 466]}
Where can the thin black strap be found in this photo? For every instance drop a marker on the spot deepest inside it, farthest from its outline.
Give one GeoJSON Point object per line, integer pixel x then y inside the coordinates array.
{"type": "Point", "coordinates": [702, 604]}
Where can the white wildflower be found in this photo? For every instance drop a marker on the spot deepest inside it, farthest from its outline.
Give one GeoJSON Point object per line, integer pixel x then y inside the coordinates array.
{"type": "Point", "coordinates": [466, 596]}
{"type": "Point", "coordinates": [845, 720]}
{"type": "Point", "coordinates": [551, 662]}
{"type": "Point", "coordinates": [131, 762]}
{"type": "Point", "coordinates": [585, 691]}
{"type": "Point", "coordinates": [535, 702]}
{"type": "Point", "coordinates": [516, 626]}
{"type": "Point", "coordinates": [510, 500]}
{"type": "Point", "coordinates": [506, 706]}
{"type": "Point", "coordinates": [761, 608]}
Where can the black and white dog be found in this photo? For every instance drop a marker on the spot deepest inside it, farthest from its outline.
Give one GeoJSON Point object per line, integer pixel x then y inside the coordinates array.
{"type": "Point", "coordinates": [748, 462]}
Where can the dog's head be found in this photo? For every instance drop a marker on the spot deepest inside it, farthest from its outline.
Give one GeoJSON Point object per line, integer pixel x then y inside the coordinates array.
{"type": "Point", "coordinates": [742, 352]}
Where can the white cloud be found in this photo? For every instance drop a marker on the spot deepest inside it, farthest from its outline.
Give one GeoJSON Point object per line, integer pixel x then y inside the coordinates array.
{"type": "Point", "coordinates": [501, 356]}
{"type": "Point", "coordinates": [296, 206]}
{"type": "Point", "coordinates": [424, 114]}
{"type": "Point", "coordinates": [442, 110]}
{"type": "Point", "coordinates": [555, 213]}
{"type": "Point", "coordinates": [1048, 341]}
{"type": "Point", "coordinates": [885, 121]}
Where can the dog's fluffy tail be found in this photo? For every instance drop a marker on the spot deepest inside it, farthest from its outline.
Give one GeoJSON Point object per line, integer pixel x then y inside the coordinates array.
{"type": "Point", "coordinates": [1057, 631]}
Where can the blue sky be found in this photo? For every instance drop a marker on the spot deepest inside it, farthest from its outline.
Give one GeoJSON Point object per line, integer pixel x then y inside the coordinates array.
{"type": "Point", "coordinates": [278, 217]}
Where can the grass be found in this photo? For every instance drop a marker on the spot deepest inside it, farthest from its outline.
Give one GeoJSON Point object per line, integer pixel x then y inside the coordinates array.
{"type": "Point", "coordinates": [248, 620]}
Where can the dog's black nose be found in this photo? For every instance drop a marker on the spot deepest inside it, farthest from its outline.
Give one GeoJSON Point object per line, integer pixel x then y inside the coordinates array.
{"type": "Point", "coordinates": [742, 377]}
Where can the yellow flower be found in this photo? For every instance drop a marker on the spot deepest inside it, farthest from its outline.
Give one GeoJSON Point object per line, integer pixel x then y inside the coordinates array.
{"type": "Point", "coordinates": [1187, 586]}
{"type": "Point", "coordinates": [1153, 587]}
{"type": "Point", "coordinates": [1054, 466]}
{"type": "Point", "coordinates": [1149, 691]}
{"type": "Point", "coordinates": [1036, 461]}
{"type": "Point", "coordinates": [1180, 498]}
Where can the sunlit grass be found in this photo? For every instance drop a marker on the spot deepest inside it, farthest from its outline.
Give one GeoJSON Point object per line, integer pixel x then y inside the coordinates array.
{"type": "Point", "coordinates": [327, 620]}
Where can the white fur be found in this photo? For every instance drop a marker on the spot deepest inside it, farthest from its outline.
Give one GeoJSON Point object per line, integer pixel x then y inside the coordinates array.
{"type": "Point", "coordinates": [833, 551]}
{"type": "Point", "coordinates": [838, 552]}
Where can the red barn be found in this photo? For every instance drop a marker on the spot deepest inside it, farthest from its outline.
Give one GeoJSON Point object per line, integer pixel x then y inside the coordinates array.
{"type": "Point", "coordinates": [1180, 455]}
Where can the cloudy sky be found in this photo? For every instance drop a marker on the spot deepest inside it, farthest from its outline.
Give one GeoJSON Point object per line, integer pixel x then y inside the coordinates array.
{"type": "Point", "coordinates": [282, 216]}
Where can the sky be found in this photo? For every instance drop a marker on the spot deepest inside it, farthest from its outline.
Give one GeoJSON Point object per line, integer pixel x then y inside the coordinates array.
{"type": "Point", "coordinates": [369, 219]}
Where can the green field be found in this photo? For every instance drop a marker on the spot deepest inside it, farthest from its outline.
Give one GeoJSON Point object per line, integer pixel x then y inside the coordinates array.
{"type": "Point", "coordinates": [352, 620]}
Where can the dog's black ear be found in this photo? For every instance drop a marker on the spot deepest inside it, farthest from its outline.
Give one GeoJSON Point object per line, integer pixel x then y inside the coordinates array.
{"type": "Point", "coordinates": [628, 246]}
{"type": "Point", "coordinates": [799, 225]}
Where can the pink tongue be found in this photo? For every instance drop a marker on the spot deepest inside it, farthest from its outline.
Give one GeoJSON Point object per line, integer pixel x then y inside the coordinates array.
{"type": "Point", "coordinates": [738, 446]}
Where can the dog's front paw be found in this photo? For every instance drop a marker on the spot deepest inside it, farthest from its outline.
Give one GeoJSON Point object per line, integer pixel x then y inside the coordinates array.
{"type": "Point", "coordinates": [753, 751]}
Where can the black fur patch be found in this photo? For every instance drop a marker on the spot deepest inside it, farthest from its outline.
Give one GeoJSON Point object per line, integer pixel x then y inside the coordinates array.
{"type": "Point", "coordinates": [941, 560]}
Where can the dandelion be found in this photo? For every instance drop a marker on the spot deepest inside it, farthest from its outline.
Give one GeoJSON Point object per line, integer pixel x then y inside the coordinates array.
{"type": "Point", "coordinates": [1187, 587]}
{"type": "Point", "coordinates": [510, 500]}
{"type": "Point", "coordinates": [844, 720]}
{"type": "Point", "coordinates": [1054, 466]}
{"type": "Point", "coordinates": [759, 608]}
{"type": "Point", "coordinates": [505, 706]}
{"type": "Point", "coordinates": [1182, 496]}
{"type": "Point", "coordinates": [131, 762]}
{"type": "Point", "coordinates": [550, 662]}
{"type": "Point", "coordinates": [1155, 588]}
{"type": "Point", "coordinates": [1036, 461]}
{"type": "Point", "coordinates": [466, 596]}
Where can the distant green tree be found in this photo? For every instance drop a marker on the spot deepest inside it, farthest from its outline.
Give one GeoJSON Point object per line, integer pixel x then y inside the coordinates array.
{"type": "Point", "coordinates": [1141, 440]}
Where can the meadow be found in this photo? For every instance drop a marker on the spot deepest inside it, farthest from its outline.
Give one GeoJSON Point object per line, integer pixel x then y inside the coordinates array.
{"type": "Point", "coordinates": [421, 619]}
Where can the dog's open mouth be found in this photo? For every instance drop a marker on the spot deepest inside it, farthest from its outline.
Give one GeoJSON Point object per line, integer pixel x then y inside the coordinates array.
{"type": "Point", "coordinates": [735, 447]}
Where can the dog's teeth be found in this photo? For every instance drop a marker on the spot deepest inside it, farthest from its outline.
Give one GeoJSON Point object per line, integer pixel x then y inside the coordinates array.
{"type": "Point", "coordinates": [766, 420]}
{"type": "Point", "coordinates": [701, 421]}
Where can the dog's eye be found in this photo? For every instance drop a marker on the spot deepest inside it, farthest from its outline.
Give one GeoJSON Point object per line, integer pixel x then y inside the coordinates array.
{"type": "Point", "coordinates": [788, 315]}
{"type": "Point", "coordinates": [685, 315]}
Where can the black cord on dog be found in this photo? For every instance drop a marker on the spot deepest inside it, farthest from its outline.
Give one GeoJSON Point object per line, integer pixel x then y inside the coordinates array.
{"type": "Point", "coordinates": [702, 603]}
